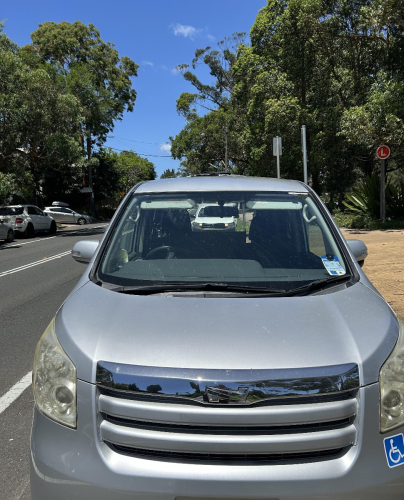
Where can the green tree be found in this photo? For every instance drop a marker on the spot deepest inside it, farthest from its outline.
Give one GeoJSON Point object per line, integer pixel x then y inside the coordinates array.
{"type": "Point", "coordinates": [132, 169]}
{"type": "Point", "coordinates": [210, 114]}
{"type": "Point", "coordinates": [169, 174]}
{"type": "Point", "coordinates": [39, 125]}
{"type": "Point", "coordinates": [94, 73]}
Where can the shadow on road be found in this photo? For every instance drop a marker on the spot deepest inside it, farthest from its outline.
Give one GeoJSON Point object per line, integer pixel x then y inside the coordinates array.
{"type": "Point", "coordinates": [82, 232]}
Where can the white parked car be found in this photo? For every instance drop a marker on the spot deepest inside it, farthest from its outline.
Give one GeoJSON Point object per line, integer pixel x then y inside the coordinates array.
{"type": "Point", "coordinates": [6, 231]}
{"type": "Point", "coordinates": [215, 217]}
{"type": "Point", "coordinates": [27, 220]}
{"type": "Point", "coordinates": [67, 215]}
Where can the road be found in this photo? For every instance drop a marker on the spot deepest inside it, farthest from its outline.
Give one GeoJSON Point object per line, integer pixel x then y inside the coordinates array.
{"type": "Point", "coordinates": [36, 276]}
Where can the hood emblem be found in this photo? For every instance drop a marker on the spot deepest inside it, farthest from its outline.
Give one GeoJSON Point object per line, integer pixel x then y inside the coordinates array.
{"type": "Point", "coordinates": [222, 394]}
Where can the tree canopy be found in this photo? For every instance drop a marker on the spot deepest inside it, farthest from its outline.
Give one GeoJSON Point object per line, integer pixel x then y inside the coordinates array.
{"type": "Point", "coordinates": [59, 98]}
{"type": "Point", "coordinates": [336, 66]}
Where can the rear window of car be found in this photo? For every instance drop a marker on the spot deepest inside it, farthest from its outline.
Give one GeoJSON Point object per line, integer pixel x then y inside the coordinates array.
{"type": "Point", "coordinates": [11, 210]}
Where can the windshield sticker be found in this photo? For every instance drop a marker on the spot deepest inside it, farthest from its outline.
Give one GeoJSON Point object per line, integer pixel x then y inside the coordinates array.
{"type": "Point", "coordinates": [333, 265]}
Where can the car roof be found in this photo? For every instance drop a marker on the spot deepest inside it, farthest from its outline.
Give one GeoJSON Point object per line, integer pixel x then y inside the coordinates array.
{"type": "Point", "coordinates": [18, 206]}
{"type": "Point", "coordinates": [221, 183]}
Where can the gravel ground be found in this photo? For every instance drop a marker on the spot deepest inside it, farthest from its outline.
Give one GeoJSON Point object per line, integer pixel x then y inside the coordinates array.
{"type": "Point", "coordinates": [383, 266]}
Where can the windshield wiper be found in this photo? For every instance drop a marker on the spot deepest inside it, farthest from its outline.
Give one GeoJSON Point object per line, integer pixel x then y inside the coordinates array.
{"type": "Point", "coordinates": [185, 287]}
{"type": "Point", "coordinates": [318, 284]}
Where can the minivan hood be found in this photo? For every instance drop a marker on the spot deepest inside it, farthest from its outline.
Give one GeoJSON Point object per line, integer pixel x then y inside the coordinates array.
{"type": "Point", "coordinates": [346, 325]}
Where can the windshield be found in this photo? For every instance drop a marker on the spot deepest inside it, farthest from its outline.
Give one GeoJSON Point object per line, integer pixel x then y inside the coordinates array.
{"type": "Point", "coordinates": [269, 240]}
{"type": "Point", "coordinates": [217, 211]}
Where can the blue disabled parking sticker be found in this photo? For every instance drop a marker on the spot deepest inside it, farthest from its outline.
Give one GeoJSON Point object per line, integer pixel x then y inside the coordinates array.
{"type": "Point", "coordinates": [332, 264]}
{"type": "Point", "coordinates": [394, 448]}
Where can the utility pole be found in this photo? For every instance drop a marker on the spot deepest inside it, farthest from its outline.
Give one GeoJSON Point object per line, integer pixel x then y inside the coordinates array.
{"type": "Point", "coordinates": [304, 150]}
{"type": "Point", "coordinates": [90, 176]}
{"type": "Point", "coordinates": [226, 162]}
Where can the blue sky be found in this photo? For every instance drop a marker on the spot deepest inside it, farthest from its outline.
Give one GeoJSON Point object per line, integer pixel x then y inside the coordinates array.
{"type": "Point", "coordinates": [158, 35]}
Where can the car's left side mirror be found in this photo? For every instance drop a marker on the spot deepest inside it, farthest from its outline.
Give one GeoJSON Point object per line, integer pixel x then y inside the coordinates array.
{"type": "Point", "coordinates": [84, 250]}
{"type": "Point", "coordinates": [359, 249]}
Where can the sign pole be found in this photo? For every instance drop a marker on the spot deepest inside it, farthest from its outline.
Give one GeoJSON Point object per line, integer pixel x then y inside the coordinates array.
{"type": "Point", "coordinates": [278, 165]}
{"type": "Point", "coordinates": [382, 190]}
{"type": "Point", "coordinates": [304, 150]}
{"type": "Point", "coordinates": [383, 152]}
{"type": "Point", "coordinates": [277, 146]}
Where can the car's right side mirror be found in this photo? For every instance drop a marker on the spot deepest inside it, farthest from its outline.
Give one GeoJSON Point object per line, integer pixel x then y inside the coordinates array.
{"type": "Point", "coordinates": [359, 249]}
{"type": "Point", "coordinates": [84, 250]}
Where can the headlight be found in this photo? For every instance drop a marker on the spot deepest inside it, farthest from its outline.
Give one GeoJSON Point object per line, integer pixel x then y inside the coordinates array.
{"type": "Point", "coordinates": [54, 380]}
{"type": "Point", "coordinates": [392, 387]}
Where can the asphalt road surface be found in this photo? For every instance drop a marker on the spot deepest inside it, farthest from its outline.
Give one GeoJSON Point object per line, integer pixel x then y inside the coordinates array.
{"type": "Point", "coordinates": [36, 276]}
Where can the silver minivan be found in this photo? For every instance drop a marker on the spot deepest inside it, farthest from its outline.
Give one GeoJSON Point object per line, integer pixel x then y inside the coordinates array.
{"type": "Point", "coordinates": [202, 365]}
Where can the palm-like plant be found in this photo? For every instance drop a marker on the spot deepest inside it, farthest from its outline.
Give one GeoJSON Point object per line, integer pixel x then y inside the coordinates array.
{"type": "Point", "coordinates": [365, 198]}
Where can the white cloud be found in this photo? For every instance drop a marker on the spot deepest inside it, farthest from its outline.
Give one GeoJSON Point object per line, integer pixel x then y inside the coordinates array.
{"type": "Point", "coordinates": [175, 71]}
{"type": "Point", "coordinates": [166, 147]}
{"type": "Point", "coordinates": [185, 31]}
{"type": "Point", "coordinates": [148, 63]}
{"type": "Point", "coordinates": [210, 37]}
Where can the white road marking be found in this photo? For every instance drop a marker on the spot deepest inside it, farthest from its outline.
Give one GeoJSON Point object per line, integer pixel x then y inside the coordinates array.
{"type": "Point", "coordinates": [50, 237]}
{"type": "Point", "coordinates": [28, 242]}
{"type": "Point", "coordinates": [15, 392]}
{"type": "Point", "coordinates": [32, 264]}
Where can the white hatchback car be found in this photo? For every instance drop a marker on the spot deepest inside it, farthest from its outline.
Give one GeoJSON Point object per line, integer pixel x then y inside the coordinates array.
{"type": "Point", "coordinates": [28, 220]}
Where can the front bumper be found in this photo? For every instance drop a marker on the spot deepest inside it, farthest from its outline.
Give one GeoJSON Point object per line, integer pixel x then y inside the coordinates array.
{"type": "Point", "coordinates": [74, 464]}
{"type": "Point", "coordinates": [197, 228]}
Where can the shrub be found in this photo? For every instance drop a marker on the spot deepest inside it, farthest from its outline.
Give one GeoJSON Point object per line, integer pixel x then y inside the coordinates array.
{"type": "Point", "coordinates": [365, 198]}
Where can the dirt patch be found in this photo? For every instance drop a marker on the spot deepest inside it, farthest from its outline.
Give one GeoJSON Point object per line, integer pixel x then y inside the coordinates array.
{"type": "Point", "coordinates": [384, 265]}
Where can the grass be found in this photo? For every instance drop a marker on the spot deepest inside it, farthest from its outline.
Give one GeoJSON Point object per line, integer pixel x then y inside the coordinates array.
{"type": "Point", "coordinates": [240, 226]}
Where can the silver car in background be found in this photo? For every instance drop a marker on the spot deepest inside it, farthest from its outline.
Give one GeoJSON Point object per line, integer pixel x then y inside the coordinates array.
{"type": "Point", "coordinates": [192, 365]}
{"type": "Point", "coordinates": [67, 215]}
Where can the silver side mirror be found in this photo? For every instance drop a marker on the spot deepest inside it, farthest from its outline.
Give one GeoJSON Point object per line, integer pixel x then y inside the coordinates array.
{"type": "Point", "coordinates": [359, 249]}
{"type": "Point", "coordinates": [84, 250]}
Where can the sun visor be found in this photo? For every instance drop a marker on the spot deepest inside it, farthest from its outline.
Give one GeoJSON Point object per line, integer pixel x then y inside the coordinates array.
{"type": "Point", "coordinates": [165, 204]}
{"type": "Point", "coordinates": [273, 205]}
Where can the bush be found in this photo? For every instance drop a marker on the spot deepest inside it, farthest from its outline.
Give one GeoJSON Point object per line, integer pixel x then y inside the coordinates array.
{"type": "Point", "coordinates": [354, 221]}
{"type": "Point", "coordinates": [365, 198]}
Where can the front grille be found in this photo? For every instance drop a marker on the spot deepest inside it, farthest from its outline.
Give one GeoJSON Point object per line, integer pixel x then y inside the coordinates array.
{"type": "Point", "coordinates": [295, 419]}
{"type": "Point", "coordinates": [218, 225]}
{"type": "Point", "coordinates": [221, 459]}
{"type": "Point", "coordinates": [230, 431]}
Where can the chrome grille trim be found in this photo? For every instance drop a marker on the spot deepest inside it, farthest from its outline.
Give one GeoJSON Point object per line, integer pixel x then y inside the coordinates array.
{"type": "Point", "coordinates": [298, 415]}
{"type": "Point", "coordinates": [227, 444]}
{"type": "Point", "coordinates": [227, 387]}
{"type": "Point", "coordinates": [178, 414]}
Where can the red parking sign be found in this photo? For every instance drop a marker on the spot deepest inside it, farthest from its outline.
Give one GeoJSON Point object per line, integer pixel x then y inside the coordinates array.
{"type": "Point", "coordinates": [383, 152]}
